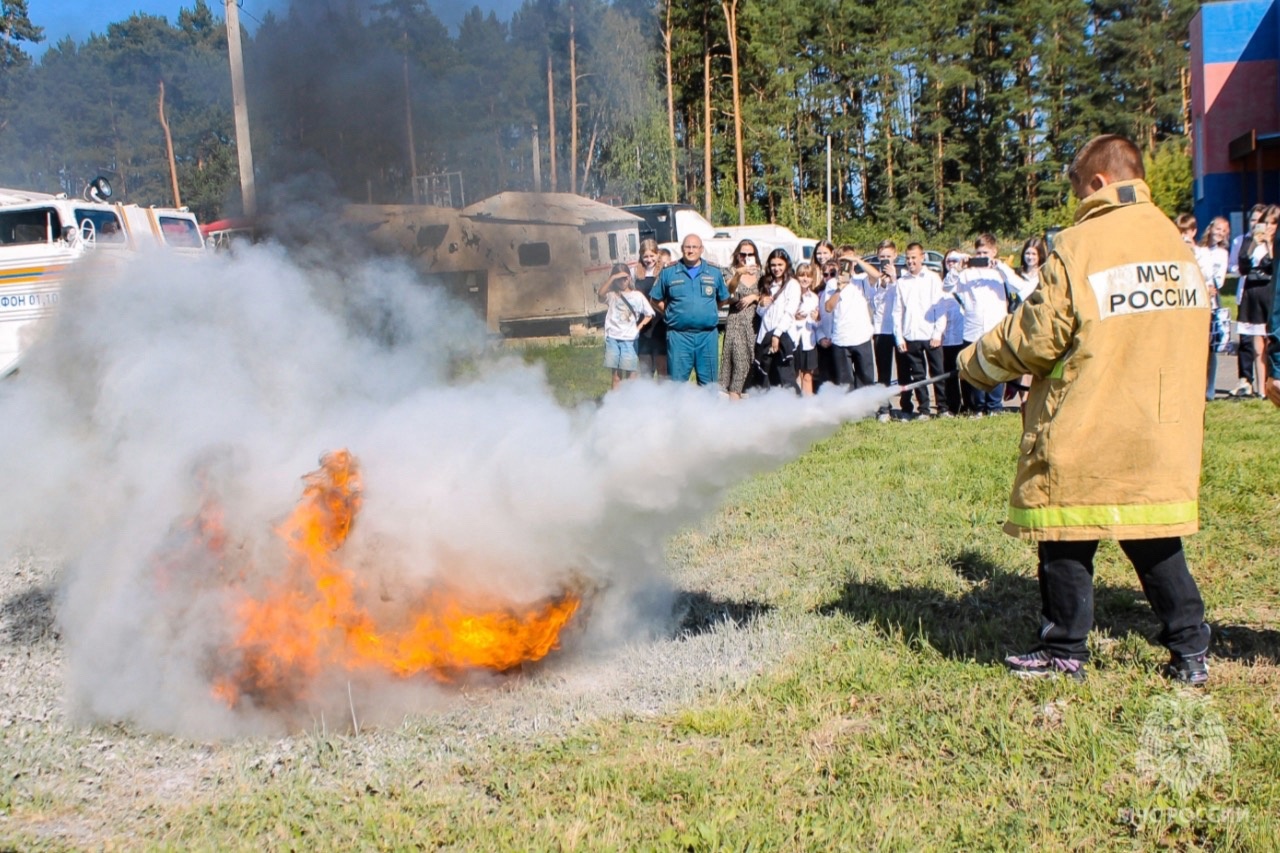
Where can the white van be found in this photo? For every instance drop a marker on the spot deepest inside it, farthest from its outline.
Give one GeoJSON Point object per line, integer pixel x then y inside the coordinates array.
{"type": "Point", "coordinates": [669, 224]}
{"type": "Point", "coordinates": [42, 236]}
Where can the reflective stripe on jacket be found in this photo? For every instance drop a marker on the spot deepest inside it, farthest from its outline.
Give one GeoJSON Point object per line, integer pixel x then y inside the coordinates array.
{"type": "Point", "coordinates": [1116, 340]}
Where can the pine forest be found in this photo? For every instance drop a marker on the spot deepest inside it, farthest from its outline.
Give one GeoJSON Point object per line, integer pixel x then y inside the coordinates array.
{"type": "Point", "coordinates": [942, 118]}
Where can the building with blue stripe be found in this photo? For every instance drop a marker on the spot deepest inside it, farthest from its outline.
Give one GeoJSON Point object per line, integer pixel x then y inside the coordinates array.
{"type": "Point", "coordinates": [1235, 108]}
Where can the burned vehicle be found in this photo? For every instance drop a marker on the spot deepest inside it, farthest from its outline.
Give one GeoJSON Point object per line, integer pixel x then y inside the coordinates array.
{"type": "Point", "coordinates": [528, 263]}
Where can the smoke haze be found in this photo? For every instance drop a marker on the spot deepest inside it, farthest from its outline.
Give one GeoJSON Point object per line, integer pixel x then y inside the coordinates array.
{"type": "Point", "coordinates": [167, 382]}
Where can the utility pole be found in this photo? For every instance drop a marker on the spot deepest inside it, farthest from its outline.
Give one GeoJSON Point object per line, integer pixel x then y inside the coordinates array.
{"type": "Point", "coordinates": [168, 144]}
{"type": "Point", "coordinates": [706, 135]}
{"type": "Point", "coordinates": [551, 123]}
{"type": "Point", "coordinates": [537, 162]}
{"type": "Point", "coordinates": [244, 148]}
{"type": "Point", "coordinates": [828, 188]}
{"type": "Point", "coordinates": [731, 20]}
{"type": "Point", "coordinates": [573, 106]}
{"type": "Point", "coordinates": [408, 123]}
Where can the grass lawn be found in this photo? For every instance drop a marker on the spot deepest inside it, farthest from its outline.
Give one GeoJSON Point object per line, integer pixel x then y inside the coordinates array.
{"type": "Point", "coordinates": [890, 723]}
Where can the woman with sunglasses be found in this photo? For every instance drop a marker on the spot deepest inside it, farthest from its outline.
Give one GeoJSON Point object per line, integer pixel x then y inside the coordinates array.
{"type": "Point", "coordinates": [739, 328]}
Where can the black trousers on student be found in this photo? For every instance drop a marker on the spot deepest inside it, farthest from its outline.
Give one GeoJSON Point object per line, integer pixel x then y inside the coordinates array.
{"type": "Point", "coordinates": [826, 371]}
{"type": "Point", "coordinates": [951, 385]}
{"type": "Point", "coordinates": [779, 367]}
{"type": "Point", "coordinates": [884, 348]}
{"type": "Point", "coordinates": [1246, 355]}
{"type": "Point", "coordinates": [854, 365]}
{"type": "Point", "coordinates": [1066, 595]}
{"type": "Point", "coordinates": [911, 368]}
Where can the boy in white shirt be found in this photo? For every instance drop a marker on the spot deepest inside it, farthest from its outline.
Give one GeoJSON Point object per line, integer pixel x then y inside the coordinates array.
{"type": "Point", "coordinates": [918, 326]}
{"type": "Point", "coordinates": [882, 318]}
{"type": "Point", "coordinates": [985, 291]}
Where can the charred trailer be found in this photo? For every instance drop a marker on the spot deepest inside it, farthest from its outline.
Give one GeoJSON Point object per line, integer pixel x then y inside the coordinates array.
{"type": "Point", "coordinates": [529, 263]}
{"type": "Point", "coordinates": [434, 240]}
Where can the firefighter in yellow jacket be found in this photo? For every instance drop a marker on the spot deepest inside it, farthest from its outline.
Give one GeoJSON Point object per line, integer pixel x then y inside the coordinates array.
{"type": "Point", "coordinates": [1115, 338]}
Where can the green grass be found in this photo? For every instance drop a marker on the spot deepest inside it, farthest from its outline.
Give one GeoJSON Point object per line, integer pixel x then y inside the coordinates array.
{"type": "Point", "coordinates": [894, 727]}
{"type": "Point", "coordinates": [575, 370]}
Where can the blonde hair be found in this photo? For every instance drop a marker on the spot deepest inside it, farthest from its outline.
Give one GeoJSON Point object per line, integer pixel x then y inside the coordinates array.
{"type": "Point", "coordinates": [647, 245]}
{"type": "Point", "coordinates": [809, 269]}
{"type": "Point", "coordinates": [1208, 232]}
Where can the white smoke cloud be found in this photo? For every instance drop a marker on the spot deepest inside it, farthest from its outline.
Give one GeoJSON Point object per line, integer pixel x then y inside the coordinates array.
{"type": "Point", "coordinates": [168, 380]}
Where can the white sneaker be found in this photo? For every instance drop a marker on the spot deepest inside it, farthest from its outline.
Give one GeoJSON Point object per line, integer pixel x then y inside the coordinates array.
{"type": "Point", "coordinates": [923, 418]}
{"type": "Point", "coordinates": [884, 417]}
{"type": "Point", "coordinates": [1244, 389]}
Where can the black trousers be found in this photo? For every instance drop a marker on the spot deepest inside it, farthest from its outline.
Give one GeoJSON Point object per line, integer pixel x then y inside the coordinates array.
{"type": "Point", "coordinates": [884, 349]}
{"type": "Point", "coordinates": [1066, 595]}
{"type": "Point", "coordinates": [951, 385]}
{"type": "Point", "coordinates": [779, 367]}
{"type": "Point", "coordinates": [911, 368]}
{"type": "Point", "coordinates": [854, 365]}
{"type": "Point", "coordinates": [1246, 355]}
{"type": "Point", "coordinates": [826, 371]}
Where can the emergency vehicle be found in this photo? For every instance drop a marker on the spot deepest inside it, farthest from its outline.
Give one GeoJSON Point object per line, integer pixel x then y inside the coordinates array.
{"type": "Point", "coordinates": [43, 237]}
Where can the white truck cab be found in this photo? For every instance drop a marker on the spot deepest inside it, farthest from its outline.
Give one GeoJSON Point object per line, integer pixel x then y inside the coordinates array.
{"type": "Point", "coordinates": [669, 224]}
{"type": "Point", "coordinates": [43, 236]}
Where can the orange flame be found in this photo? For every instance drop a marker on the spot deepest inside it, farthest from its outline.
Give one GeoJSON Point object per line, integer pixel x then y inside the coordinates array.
{"type": "Point", "coordinates": [312, 620]}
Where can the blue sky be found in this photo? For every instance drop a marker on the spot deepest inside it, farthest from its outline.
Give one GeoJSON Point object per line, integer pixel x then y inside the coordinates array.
{"type": "Point", "coordinates": [79, 18]}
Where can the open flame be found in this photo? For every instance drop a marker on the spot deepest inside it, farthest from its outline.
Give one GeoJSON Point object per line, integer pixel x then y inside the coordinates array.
{"type": "Point", "coordinates": [317, 618]}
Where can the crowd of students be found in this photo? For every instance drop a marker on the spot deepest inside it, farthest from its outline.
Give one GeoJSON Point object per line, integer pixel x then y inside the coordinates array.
{"type": "Point", "coordinates": [839, 319]}
{"type": "Point", "coordinates": [857, 321]}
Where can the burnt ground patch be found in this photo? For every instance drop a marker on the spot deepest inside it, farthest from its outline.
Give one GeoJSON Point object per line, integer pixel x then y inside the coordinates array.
{"type": "Point", "coordinates": [27, 617]}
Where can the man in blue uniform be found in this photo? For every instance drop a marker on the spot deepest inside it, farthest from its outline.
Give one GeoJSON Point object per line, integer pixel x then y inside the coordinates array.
{"type": "Point", "coordinates": [689, 295]}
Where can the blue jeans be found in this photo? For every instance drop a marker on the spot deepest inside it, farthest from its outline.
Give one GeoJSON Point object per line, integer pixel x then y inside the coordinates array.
{"type": "Point", "coordinates": [985, 402]}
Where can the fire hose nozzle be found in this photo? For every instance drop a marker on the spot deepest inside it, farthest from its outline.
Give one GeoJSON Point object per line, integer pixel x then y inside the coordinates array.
{"type": "Point", "coordinates": [902, 389]}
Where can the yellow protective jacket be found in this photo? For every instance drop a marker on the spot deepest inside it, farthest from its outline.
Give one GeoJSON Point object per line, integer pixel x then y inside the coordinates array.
{"type": "Point", "coordinates": [1116, 339]}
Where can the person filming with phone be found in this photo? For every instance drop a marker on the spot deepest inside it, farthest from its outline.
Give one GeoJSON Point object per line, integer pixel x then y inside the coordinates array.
{"type": "Point", "coordinates": [849, 299]}
{"type": "Point", "coordinates": [986, 294]}
{"type": "Point", "coordinates": [739, 328]}
{"type": "Point", "coordinates": [882, 342]}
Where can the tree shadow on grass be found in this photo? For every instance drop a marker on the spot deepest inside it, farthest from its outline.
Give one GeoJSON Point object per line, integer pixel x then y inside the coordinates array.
{"type": "Point", "coordinates": [1000, 613]}
{"type": "Point", "coordinates": [698, 613]}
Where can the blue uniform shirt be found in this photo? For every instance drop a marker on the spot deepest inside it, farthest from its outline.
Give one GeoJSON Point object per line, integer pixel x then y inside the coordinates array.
{"type": "Point", "coordinates": [691, 295]}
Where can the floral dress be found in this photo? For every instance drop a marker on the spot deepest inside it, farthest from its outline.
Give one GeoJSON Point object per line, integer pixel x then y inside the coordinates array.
{"type": "Point", "coordinates": [739, 335]}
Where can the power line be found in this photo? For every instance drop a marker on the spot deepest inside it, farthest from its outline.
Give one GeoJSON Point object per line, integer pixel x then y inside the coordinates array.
{"type": "Point", "coordinates": [240, 6]}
